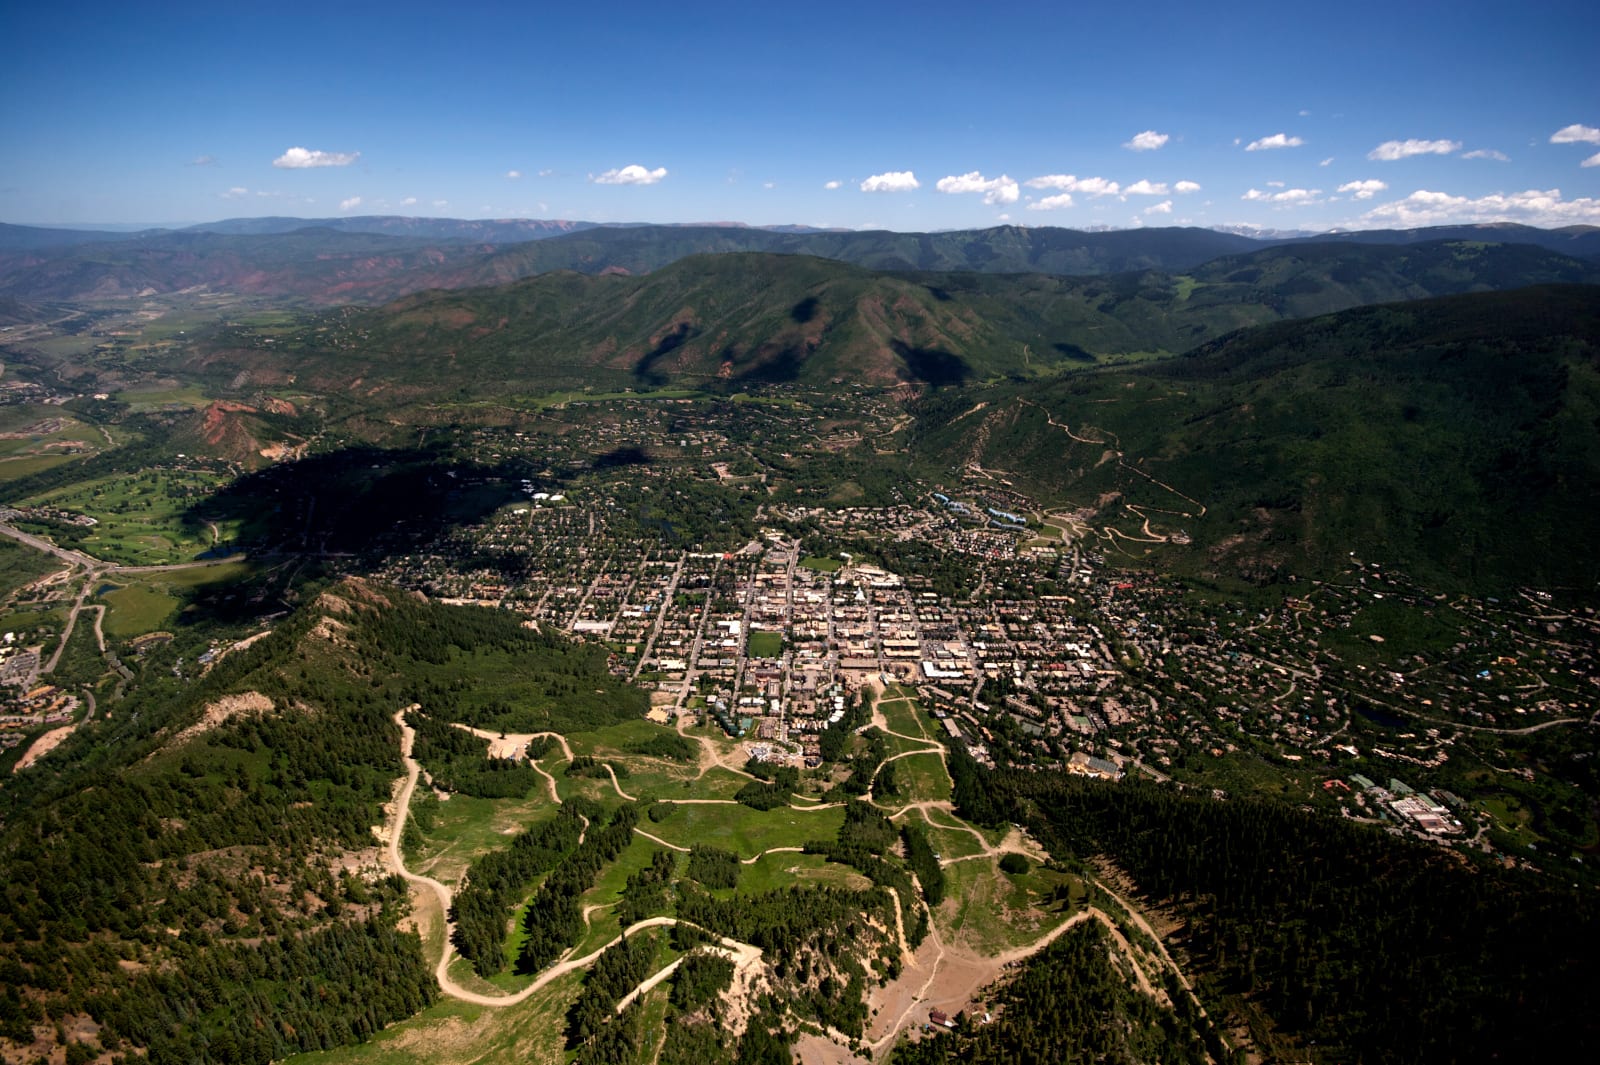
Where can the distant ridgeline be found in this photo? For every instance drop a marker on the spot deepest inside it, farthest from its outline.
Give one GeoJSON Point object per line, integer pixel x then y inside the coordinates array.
{"type": "Point", "coordinates": [742, 319]}
{"type": "Point", "coordinates": [368, 260]}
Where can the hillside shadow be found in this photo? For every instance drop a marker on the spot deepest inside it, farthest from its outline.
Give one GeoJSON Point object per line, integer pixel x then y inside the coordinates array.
{"type": "Point", "coordinates": [350, 511]}
{"type": "Point", "coordinates": [1075, 353]}
{"type": "Point", "coordinates": [618, 458]}
{"type": "Point", "coordinates": [644, 369]}
{"type": "Point", "coordinates": [778, 369]}
{"type": "Point", "coordinates": [805, 310]}
{"type": "Point", "coordinates": [931, 365]}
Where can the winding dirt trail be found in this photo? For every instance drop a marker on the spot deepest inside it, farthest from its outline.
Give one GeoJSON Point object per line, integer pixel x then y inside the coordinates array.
{"type": "Point", "coordinates": [402, 809]}
{"type": "Point", "coordinates": [511, 744]}
{"type": "Point", "coordinates": [710, 757]}
{"type": "Point", "coordinates": [745, 955]}
{"type": "Point", "coordinates": [1116, 447]}
{"type": "Point", "coordinates": [612, 773]}
{"type": "Point", "coordinates": [653, 838]}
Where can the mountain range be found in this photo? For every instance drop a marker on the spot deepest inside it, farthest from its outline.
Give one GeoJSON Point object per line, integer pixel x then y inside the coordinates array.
{"type": "Point", "coordinates": [746, 318]}
{"type": "Point", "coordinates": [373, 260]}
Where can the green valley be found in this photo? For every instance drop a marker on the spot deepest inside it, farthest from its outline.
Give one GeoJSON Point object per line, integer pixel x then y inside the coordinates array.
{"type": "Point", "coordinates": [644, 645]}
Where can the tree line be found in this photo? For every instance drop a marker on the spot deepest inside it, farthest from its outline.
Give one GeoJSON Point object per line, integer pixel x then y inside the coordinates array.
{"type": "Point", "coordinates": [496, 880]}
{"type": "Point", "coordinates": [553, 921]}
{"type": "Point", "coordinates": [1372, 947]}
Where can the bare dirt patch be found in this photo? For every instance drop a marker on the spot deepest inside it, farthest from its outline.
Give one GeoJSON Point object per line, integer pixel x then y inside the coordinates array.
{"type": "Point", "coordinates": [43, 746]}
{"type": "Point", "coordinates": [223, 710]}
{"type": "Point", "coordinates": [329, 629]}
{"type": "Point", "coordinates": [820, 1050]}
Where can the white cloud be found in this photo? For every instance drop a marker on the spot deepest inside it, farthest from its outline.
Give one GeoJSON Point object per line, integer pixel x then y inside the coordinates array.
{"type": "Point", "coordinates": [1593, 160]}
{"type": "Point", "coordinates": [1532, 207]}
{"type": "Point", "coordinates": [1051, 203]}
{"type": "Point", "coordinates": [1092, 186]}
{"type": "Point", "coordinates": [234, 193]}
{"type": "Point", "coordinates": [1389, 151]}
{"type": "Point", "coordinates": [632, 174]}
{"type": "Point", "coordinates": [891, 181]}
{"type": "Point", "coordinates": [546, 172]}
{"type": "Point", "coordinates": [1363, 190]}
{"type": "Point", "coordinates": [303, 159]}
{"type": "Point", "coordinates": [441, 203]}
{"type": "Point", "coordinates": [769, 184]}
{"type": "Point", "coordinates": [1146, 188]}
{"type": "Point", "coordinates": [351, 204]}
{"type": "Point", "coordinates": [831, 185]}
{"type": "Point", "coordinates": [1185, 186]}
{"type": "Point", "coordinates": [513, 174]}
{"type": "Point", "coordinates": [1576, 134]}
{"type": "Point", "coordinates": [1488, 153]}
{"type": "Point", "coordinates": [1326, 162]}
{"type": "Point", "coordinates": [1277, 140]}
{"type": "Point", "coordinates": [202, 160]}
{"type": "Point", "coordinates": [1301, 196]}
{"type": "Point", "coordinates": [1148, 141]}
{"type": "Point", "coordinates": [1004, 217]}
{"type": "Point", "coordinates": [995, 190]}
{"type": "Point", "coordinates": [409, 201]}
{"type": "Point", "coordinates": [1164, 207]}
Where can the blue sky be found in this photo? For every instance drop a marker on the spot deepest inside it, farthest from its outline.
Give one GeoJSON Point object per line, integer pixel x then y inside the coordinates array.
{"type": "Point", "coordinates": [896, 115]}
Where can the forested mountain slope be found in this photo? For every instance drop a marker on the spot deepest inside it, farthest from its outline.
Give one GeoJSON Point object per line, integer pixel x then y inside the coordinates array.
{"type": "Point", "coordinates": [1456, 437]}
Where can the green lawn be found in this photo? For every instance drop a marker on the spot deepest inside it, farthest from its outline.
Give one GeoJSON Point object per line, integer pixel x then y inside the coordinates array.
{"type": "Point", "coordinates": [822, 565]}
{"type": "Point", "coordinates": [905, 717]}
{"type": "Point", "coordinates": [466, 827]}
{"type": "Point", "coordinates": [149, 603]}
{"type": "Point", "coordinates": [786, 869]}
{"type": "Point", "coordinates": [746, 832]}
{"type": "Point", "coordinates": [947, 840]}
{"type": "Point", "coordinates": [15, 468]}
{"type": "Point", "coordinates": [137, 609]}
{"type": "Point", "coordinates": [765, 644]}
{"type": "Point", "coordinates": [922, 777]}
{"type": "Point", "coordinates": [989, 912]}
{"type": "Point", "coordinates": [36, 445]}
{"type": "Point", "coordinates": [898, 744]}
{"type": "Point", "coordinates": [157, 399]}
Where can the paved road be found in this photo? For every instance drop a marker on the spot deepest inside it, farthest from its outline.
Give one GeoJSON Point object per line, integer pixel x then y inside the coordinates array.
{"type": "Point", "coordinates": [77, 558]}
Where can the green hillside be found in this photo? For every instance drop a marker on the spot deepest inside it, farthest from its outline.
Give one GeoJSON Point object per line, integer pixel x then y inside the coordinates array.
{"type": "Point", "coordinates": [1004, 249]}
{"type": "Point", "coordinates": [1457, 437]}
{"type": "Point", "coordinates": [739, 319]}
{"type": "Point", "coordinates": [196, 869]}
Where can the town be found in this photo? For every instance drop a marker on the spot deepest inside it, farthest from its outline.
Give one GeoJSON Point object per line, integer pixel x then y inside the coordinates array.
{"type": "Point", "coordinates": [1035, 650]}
